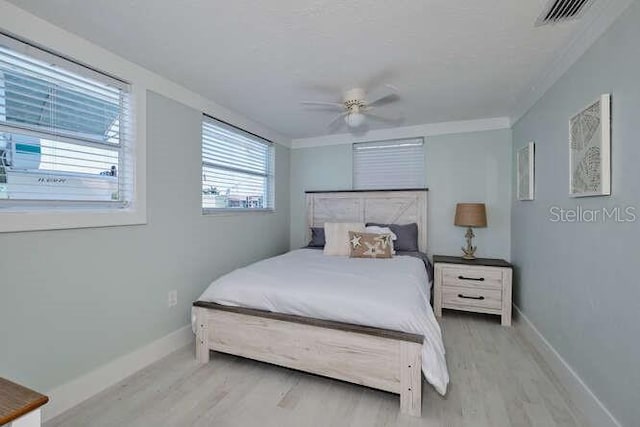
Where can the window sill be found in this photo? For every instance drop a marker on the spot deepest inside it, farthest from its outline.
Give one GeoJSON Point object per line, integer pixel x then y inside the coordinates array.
{"type": "Point", "coordinates": [233, 211]}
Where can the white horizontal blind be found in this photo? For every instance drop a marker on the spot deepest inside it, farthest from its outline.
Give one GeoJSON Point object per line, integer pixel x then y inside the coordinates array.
{"type": "Point", "coordinates": [65, 136]}
{"type": "Point", "coordinates": [392, 164]}
{"type": "Point", "coordinates": [237, 168]}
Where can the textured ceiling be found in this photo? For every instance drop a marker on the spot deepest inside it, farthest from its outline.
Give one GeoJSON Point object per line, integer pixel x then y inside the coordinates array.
{"type": "Point", "coordinates": [450, 59]}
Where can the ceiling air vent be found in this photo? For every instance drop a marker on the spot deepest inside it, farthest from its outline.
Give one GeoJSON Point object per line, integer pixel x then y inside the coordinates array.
{"type": "Point", "coordinates": [562, 10]}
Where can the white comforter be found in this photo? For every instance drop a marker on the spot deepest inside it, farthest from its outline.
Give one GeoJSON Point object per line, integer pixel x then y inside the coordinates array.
{"type": "Point", "coordinates": [385, 293]}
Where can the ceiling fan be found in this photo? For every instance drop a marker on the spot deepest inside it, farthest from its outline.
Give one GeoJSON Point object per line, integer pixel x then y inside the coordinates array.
{"type": "Point", "coordinates": [356, 108]}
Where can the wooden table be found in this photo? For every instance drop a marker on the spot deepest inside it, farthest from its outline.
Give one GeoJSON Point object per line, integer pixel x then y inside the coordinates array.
{"type": "Point", "coordinates": [19, 406]}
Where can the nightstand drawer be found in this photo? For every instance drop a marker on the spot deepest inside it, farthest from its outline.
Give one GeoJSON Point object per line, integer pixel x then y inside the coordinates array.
{"type": "Point", "coordinates": [460, 297]}
{"type": "Point", "coordinates": [472, 277]}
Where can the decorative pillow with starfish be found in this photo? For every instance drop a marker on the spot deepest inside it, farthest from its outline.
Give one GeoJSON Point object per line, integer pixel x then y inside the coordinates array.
{"type": "Point", "coordinates": [370, 245]}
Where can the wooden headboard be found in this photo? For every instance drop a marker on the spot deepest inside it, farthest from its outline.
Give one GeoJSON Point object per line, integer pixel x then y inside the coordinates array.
{"type": "Point", "coordinates": [381, 206]}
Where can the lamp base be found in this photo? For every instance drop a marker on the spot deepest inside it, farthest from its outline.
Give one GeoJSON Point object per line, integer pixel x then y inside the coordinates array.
{"type": "Point", "coordinates": [470, 250]}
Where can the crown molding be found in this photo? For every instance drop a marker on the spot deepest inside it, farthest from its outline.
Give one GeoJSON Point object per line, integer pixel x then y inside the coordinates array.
{"type": "Point", "coordinates": [600, 16]}
{"type": "Point", "coordinates": [431, 129]}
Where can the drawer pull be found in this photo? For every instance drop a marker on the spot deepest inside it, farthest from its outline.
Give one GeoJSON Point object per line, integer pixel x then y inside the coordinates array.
{"type": "Point", "coordinates": [477, 279]}
{"type": "Point", "coordinates": [470, 297]}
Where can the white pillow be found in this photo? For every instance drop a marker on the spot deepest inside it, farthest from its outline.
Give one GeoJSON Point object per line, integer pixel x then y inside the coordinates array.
{"type": "Point", "coordinates": [375, 229]}
{"type": "Point", "coordinates": [336, 235]}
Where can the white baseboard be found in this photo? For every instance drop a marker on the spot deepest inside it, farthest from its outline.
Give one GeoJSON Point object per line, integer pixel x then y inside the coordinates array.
{"type": "Point", "coordinates": [74, 392]}
{"type": "Point", "coordinates": [592, 409]}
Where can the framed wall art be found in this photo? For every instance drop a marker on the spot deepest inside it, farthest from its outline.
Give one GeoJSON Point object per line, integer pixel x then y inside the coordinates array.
{"type": "Point", "coordinates": [590, 150]}
{"type": "Point", "coordinates": [526, 172]}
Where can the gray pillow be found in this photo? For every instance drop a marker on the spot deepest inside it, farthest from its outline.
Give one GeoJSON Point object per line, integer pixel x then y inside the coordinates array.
{"type": "Point", "coordinates": [407, 236]}
{"type": "Point", "coordinates": [317, 237]}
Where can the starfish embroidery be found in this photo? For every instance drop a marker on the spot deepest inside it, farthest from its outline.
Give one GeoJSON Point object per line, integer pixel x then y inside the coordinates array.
{"type": "Point", "coordinates": [373, 249]}
{"type": "Point", "coordinates": [383, 240]}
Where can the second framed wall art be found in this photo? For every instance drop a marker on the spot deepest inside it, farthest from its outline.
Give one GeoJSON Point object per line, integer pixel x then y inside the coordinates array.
{"type": "Point", "coordinates": [526, 172]}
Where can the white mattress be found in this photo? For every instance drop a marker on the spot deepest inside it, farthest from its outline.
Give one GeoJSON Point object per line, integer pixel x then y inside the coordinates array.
{"type": "Point", "coordinates": [385, 293]}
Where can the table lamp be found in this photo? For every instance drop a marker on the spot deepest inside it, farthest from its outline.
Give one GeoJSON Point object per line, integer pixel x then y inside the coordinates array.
{"type": "Point", "coordinates": [470, 215]}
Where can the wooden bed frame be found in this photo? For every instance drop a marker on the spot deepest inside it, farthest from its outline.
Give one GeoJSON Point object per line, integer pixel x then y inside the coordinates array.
{"type": "Point", "coordinates": [379, 358]}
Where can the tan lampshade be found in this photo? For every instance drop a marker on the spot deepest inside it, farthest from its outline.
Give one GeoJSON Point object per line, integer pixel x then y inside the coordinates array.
{"type": "Point", "coordinates": [471, 215]}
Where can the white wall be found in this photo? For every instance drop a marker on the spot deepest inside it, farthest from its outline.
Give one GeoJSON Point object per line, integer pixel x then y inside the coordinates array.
{"type": "Point", "coordinates": [73, 300]}
{"type": "Point", "coordinates": [578, 282]}
{"type": "Point", "coordinates": [462, 167]}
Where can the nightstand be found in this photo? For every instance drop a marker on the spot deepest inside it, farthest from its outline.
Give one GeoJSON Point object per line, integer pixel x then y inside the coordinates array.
{"type": "Point", "coordinates": [482, 285]}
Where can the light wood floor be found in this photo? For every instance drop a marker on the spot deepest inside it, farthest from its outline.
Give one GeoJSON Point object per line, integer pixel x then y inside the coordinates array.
{"type": "Point", "coordinates": [497, 379]}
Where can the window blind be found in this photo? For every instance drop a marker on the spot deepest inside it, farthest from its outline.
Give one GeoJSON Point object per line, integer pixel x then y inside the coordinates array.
{"type": "Point", "coordinates": [64, 131]}
{"type": "Point", "coordinates": [389, 164]}
{"type": "Point", "coordinates": [237, 168]}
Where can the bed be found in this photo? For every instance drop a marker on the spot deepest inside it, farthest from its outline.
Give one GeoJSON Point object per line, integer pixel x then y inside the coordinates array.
{"type": "Point", "coordinates": [366, 321]}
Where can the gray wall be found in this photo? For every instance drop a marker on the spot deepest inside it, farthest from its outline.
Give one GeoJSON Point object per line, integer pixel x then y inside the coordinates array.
{"type": "Point", "coordinates": [578, 282]}
{"type": "Point", "coordinates": [72, 300]}
{"type": "Point", "coordinates": [464, 167]}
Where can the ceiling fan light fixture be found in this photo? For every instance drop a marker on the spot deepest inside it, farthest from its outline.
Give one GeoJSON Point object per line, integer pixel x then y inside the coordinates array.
{"type": "Point", "coordinates": [355, 108]}
{"type": "Point", "coordinates": [354, 120]}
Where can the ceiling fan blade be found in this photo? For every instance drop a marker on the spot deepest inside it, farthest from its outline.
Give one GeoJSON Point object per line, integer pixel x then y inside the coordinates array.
{"type": "Point", "coordinates": [336, 123]}
{"type": "Point", "coordinates": [384, 100]}
{"type": "Point", "coordinates": [322, 103]}
{"type": "Point", "coordinates": [391, 87]}
{"type": "Point", "coordinates": [389, 95]}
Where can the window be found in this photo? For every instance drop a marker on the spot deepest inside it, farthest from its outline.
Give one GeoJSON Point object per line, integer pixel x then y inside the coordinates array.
{"type": "Point", "coordinates": [392, 164]}
{"type": "Point", "coordinates": [64, 133]}
{"type": "Point", "coordinates": [237, 169]}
